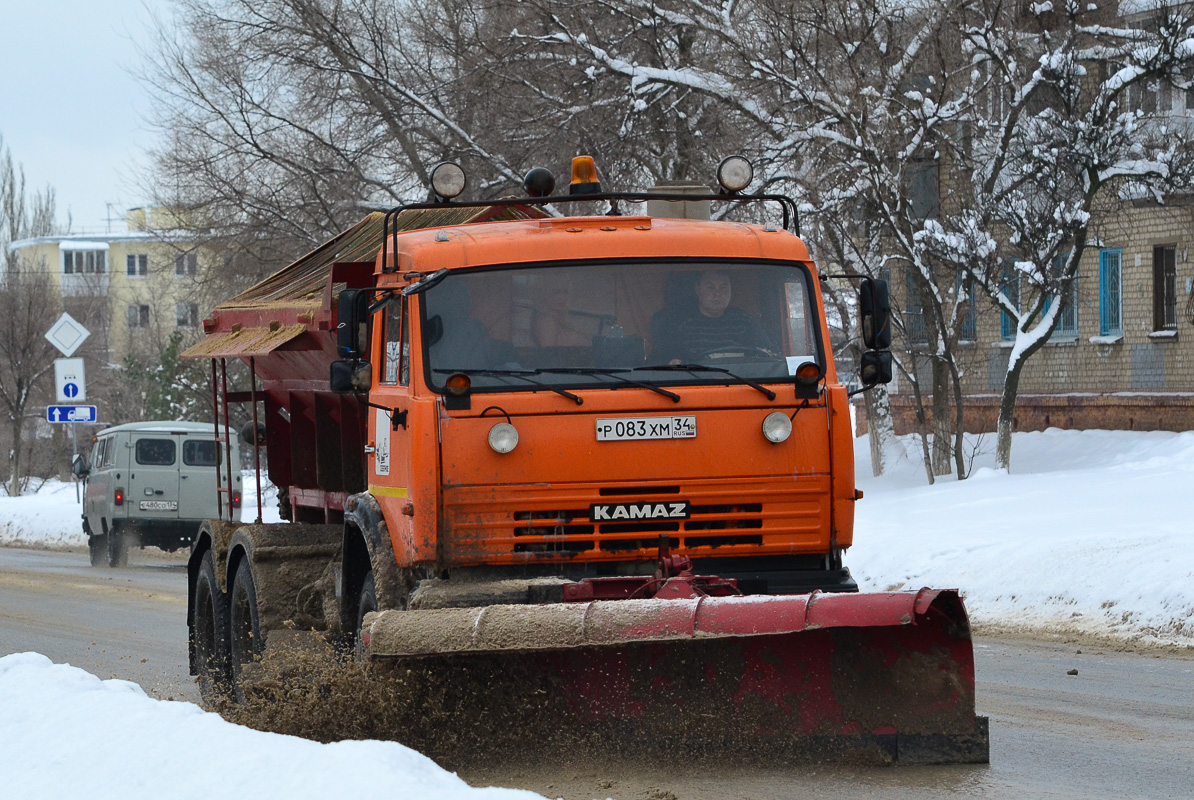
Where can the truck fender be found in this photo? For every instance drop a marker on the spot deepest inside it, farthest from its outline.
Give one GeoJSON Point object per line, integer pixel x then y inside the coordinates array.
{"type": "Point", "coordinates": [367, 546]}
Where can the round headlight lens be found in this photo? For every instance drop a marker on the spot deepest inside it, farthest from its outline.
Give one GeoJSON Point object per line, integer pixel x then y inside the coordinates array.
{"type": "Point", "coordinates": [777, 427]}
{"type": "Point", "coordinates": [447, 180]}
{"type": "Point", "coordinates": [503, 437]}
{"type": "Point", "coordinates": [735, 173]}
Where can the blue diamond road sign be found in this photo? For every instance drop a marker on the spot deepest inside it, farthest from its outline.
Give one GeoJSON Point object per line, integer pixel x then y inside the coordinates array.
{"type": "Point", "coordinates": [70, 413]}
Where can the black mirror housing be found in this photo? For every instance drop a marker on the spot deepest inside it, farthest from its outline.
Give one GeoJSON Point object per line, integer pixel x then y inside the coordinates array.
{"type": "Point", "coordinates": [78, 466]}
{"type": "Point", "coordinates": [351, 377]}
{"type": "Point", "coordinates": [875, 367]}
{"type": "Point", "coordinates": [874, 306]}
{"type": "Point", "coordinates": [352, 314]}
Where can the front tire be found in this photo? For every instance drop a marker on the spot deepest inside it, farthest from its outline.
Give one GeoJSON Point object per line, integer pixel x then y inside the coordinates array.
{"type": "Point", "coordinates": [245, 641]}
{"type": "Point", "coordinates": [366, 603]}
{"type": "Point", "coordinates": [209, 629]}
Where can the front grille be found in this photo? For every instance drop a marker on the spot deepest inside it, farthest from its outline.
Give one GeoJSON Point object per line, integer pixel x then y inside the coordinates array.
{"type": "Point", "coordinates": [727, 517]}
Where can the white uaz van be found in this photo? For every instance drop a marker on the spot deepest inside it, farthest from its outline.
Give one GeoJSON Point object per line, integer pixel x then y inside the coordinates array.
{"type": "Point", "coordinates": [153, 483]}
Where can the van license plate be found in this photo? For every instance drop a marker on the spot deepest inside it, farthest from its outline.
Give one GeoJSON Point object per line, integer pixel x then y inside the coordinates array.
{"type": "Point", "coordinates": [621, 429]}
{"type": "Point", "coordinates": [159, 505]}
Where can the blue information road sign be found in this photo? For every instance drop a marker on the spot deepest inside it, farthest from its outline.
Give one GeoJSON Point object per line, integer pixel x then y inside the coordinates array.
{"type": "Point", "coordinates": [70, 413]}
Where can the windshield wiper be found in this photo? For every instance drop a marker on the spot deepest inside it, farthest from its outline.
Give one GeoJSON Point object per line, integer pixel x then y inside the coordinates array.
{"type": "Point", "coordinates": [522, 374]}
{"type": "Point", "coordinates": [706, 368]}
{"type": "Point", "coordinates": [613, 373]}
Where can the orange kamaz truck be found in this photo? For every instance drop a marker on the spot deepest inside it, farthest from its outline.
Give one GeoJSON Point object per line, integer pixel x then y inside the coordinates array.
{"type": "Point", "coordinates": [589, 452]}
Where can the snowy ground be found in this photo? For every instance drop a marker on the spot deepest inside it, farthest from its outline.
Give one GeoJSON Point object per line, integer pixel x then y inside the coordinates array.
{"type": "Point", "coordinates": [1089, 533]}
{"type": "Point", "coordinates": [67, 734]}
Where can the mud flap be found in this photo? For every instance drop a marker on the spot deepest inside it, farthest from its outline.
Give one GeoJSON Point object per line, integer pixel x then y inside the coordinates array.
{"type": "Point", "coordinates": [872, 677]}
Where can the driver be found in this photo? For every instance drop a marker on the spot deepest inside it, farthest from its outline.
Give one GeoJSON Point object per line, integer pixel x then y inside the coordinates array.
{"type": "Point", "coordinates": [715, 326]}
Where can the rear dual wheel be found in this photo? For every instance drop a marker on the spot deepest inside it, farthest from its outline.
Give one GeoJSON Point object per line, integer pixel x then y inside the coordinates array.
{"type": "Point", "coordinates": [245, 641]}
{"type": "Point", "coordinates": [209, 629]}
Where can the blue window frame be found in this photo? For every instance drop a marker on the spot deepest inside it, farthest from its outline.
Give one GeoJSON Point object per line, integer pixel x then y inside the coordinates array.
{"type": "Point", "coordinates": [1009, 284]}
{"type": "Point", "coordinates": [1067, 325]}
{"type": "Point", "coordinates": [1111, 292]}
{"type": "Point", "coordinates": [964, 284]}
{"type": "Point", "coordinates": [914, 313]}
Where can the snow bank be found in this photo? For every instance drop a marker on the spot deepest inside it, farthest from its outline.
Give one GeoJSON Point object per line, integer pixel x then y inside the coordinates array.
{"type": "Point", "coordinates": [52, 516]}
{"type": "Point", "coordinates": [66, 733]}
{"type": "Point", "coordinates": [1089, 533]}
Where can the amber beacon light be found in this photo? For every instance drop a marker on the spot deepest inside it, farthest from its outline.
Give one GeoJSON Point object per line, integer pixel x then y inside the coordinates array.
{"type": "Point", "coordinates": [584, 176]}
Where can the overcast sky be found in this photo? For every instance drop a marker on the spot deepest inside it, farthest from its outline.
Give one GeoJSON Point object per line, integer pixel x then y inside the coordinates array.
{"type": "Point", "coordinates": [70, 111]}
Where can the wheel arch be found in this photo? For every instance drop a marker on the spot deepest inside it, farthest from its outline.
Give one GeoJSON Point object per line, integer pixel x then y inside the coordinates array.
{"type": "Point", "coordinates": [367, 547]}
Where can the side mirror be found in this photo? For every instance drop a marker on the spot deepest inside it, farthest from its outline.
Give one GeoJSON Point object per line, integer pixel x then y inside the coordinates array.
{"type": "Point", "coordinates": [351, 317]}
{"type": "Point", "coordinates": [78, 466]}
{"type": "Point", "coordinates": [351, 377]}
{"type": "Point", "coordinates": [874, 305]}
{"type": "Point", "coordinates": [875, 367]}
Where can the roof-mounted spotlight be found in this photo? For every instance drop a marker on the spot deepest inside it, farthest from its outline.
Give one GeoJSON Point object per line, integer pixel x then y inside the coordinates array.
{"type": "Point", "coordinates": [447, 180]}
{"type": "Point", "coordinates": [584, 176]}
{"type": "Point", "coordinates": [735, 173]}
{"type": "Point", "coordinates": [539, 182]}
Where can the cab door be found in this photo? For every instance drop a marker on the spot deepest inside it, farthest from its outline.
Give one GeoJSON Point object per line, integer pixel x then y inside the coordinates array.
{"type": "Point", "coordinates": [197, 498]}
{"type": "Point", "coordinates": [389, 466]}
{"type": "Point", "coordinates": [153, 476]}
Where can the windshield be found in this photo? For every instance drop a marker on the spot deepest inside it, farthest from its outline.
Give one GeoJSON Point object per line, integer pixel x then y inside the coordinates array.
{"type": "Point", "coordinates": [580, 325]}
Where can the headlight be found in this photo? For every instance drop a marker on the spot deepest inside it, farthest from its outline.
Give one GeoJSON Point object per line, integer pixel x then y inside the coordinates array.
{"type": "Point", "coordinates": [735, 173]}
{"type": "Point", "coordinates": [503, 437]}
{"type": "Point", "coordinates": [447, 180]}
{"type": "Point", "coordinates": [777, 427]}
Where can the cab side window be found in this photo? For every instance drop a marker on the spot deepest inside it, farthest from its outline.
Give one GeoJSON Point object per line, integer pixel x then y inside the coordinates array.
{"type": "Point", "coordinates": [396, 365]}
{"type": "Point", "coordinates": [155, 452]}
{"type": "Point", "coordinates": [105, 453]}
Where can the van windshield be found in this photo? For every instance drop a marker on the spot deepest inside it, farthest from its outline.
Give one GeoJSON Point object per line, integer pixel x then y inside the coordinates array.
{"type": "Point", "coordinates": [588, 324]}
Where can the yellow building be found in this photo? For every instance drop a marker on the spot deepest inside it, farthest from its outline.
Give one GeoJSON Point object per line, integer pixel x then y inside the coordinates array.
{"type": "Point", "coordinates": [132, 290]}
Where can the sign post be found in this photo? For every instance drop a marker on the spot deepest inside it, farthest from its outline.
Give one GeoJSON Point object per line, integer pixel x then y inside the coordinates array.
{"type": "Point", "coordinates": [67, 334]}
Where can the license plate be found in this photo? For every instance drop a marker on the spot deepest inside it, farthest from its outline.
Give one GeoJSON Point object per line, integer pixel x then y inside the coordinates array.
{"type": "Point", "coordinates": [623, 428]}
{"type": "Point", "coordinates": [159, 505]}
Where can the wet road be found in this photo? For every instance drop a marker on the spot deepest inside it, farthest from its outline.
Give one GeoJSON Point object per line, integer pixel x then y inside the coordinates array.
{"type": "Point", "coordinates": [1123, 727]}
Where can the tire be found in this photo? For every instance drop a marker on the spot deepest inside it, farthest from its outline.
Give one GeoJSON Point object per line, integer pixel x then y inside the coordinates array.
{"type": "Point", "coordinates": [97, 548]}
{"type": "Point", "coordinates": [366, 602]}
{"type": "Point", "coordinates": [118, 547]}
{"type": "Point", "coordinates": [209, 632]}
{"type": "Point", "coordinates": [245, 643]}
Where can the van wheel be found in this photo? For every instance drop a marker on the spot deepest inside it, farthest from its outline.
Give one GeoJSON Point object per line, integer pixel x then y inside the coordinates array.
{"type": "Point", "coordinates": [245, 641]}
{"type": "Point", "coordinates": [118, 548]}
{"type": "Point", "coordinates": [209, 629]}
{"type": "Point", "coordinates": [97, 548]}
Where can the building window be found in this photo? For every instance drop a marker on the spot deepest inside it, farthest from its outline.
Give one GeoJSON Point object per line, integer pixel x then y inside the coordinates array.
{"type": "Point", "coordinates": [914, 314]}
{"type": "Point", "coordinates": [186, 263]}
{"type": "Point", "coordinates": [138, 316]}
{"type": "Point", "coordinates": [1009, 284]}
{"type": "Point", "coordinates": [1110, 292]}
{"type": "Point", "coordinates": [1067, 322]}
{"type": "Point", "coordinates": [138, 265]}
{"type": "Point", "coordinates": [84, 262]}
{"type": "Point", "coordinates": [1165, 288]}
{"type": "Point", "coordinates": [968, 311]}
{"type": "Point", "coordinates": [187, 315]}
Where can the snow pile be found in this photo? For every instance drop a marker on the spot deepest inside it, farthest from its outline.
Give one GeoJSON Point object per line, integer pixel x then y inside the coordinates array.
{"type": "Point", "coordinates": [66, 733]}
{"type": "Point", "coordinates": [53, 515]}
{"type": "Point", "coordinates": [1090, 533]}
{"type": "Point", "coordinates": [50, 517]}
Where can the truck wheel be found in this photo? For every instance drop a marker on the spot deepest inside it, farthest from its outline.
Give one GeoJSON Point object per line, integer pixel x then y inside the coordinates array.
{"type": "Point", "coordinates": [366, 603]}
{"type": "Point", "coordinates": [244, 638]}
{"type": "Point", "coordinates": [97, 548]}
{"type": "Point", "coordinates": [209, 627]}
{"type": "Point", "coordinates": [118, 548]}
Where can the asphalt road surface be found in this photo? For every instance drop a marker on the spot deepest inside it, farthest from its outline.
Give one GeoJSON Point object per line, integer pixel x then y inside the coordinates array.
{"type": "Point", "coordinates": [1123, 727]}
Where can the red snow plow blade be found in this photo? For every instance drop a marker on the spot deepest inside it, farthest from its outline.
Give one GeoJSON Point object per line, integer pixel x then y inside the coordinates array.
{"type": "Point", "coordinates": [877, 677]}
